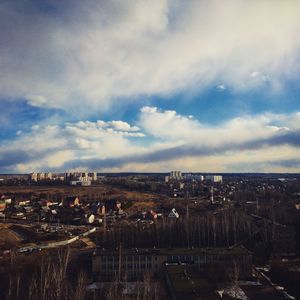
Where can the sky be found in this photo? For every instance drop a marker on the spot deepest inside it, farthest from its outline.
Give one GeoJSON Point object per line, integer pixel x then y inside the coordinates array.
{"type": "Point", "coordinates": [149, 86]}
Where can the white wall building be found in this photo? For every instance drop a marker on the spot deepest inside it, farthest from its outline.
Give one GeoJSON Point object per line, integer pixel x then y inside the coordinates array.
{"type": "Point", "coordinates": [214, 178]}
{"type": "Point", "coordinates": [175, 175]}
{"type": "Point", "coordinates": [40, 176]}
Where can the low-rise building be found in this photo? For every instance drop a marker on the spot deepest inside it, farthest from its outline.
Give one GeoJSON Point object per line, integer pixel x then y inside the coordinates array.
{"type": "Point", "coordinates": [71, 201]}
{"type": "Point", "coordinates": [132, 263]}
{"type": "Point", "coordinates": [173, 214]}
{"type": "Point", "coordinates": [2, 205]}
{"type": "Point", "coordinates": [80, 182]}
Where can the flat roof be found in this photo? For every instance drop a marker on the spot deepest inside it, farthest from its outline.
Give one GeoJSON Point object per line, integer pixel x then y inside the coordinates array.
{"type": "Point", "coordinates": [175, 251]}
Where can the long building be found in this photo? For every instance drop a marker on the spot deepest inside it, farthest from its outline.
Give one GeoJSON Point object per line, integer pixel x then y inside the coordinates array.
{"type": "Point", "coordinates": [132, 263]}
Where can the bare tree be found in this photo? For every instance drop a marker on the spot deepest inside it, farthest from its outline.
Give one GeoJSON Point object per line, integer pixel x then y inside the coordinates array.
{"type": "Point", "coordinates": [33, 289]}
{"type": "Point", "coordinates": [80, 291]}
{"type": "Point", "coordinates": [234, 275]}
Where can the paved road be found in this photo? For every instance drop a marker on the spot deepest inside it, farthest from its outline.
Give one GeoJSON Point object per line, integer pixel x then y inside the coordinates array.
{"type": "Point", "coordinates": [50, 245]}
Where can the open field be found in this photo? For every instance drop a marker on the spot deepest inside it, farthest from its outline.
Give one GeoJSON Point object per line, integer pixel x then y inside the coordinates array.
{"type": "Point", "coordinates": [64, 189]}
{"type": "Point", "coordinates": [9, 237]}
{"type": "Point", "coordinates": [138, 200]}
{"type": "Point", "coordinates": [93, 192]}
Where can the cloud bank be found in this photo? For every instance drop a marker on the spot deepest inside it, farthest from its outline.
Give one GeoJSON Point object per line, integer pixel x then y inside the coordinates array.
{"type": "Point", "coordinates": [87, 55]}
{"type": "Point", "coordinates": [159, 140]}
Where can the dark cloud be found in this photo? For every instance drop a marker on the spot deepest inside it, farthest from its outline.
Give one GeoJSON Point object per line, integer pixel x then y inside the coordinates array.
{"type": "Point", "coordinates": [11, 158]}
{"type": "Point", "coordinates": [259, 166]}
{"type": "Point", "coordinates": [287, 163]}
{"type": "Point", "coordinates": [290, 138]}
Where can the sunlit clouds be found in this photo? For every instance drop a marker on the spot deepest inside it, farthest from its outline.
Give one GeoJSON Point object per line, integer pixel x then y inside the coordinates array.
{"type": "Point", "coordinates": [162, 138]}
{"type": "Point", "coordinates": [66, 55]}
{"type": "Point", "coordinates": [102, 85]}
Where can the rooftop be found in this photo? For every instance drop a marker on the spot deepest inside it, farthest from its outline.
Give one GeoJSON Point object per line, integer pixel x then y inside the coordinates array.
{"type": "Point", "coordinates": [176, 251]}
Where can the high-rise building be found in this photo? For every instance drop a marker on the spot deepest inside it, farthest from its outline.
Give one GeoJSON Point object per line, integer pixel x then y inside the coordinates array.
{"type": "Point", "coordinates": [48, 175]}
{"type": "Point", "coordinates": [175, 175]}
{"type": "Point", "coordinates": [214, 178]}
{"type": "Point", "coordinates": [40, 176]}
{"type": "Point", "coordinates": [93, 176]}
{"type": "Point", "coordinates": [33, 176]}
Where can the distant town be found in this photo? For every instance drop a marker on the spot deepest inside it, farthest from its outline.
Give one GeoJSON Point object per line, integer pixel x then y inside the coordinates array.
{"type": "Point", "coordinates": [150, 236]}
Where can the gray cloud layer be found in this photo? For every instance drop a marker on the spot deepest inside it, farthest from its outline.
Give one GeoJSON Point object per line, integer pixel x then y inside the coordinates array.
{"type": "Point", "coordinates": [290, 138]}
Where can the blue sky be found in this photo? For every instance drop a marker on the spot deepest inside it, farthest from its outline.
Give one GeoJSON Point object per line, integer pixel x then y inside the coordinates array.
{"type": "Point", "coordinates": [149, 86]}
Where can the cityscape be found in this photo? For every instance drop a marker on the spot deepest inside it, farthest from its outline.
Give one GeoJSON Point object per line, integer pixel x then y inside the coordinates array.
{"type": "Point", "coordinates": [150, 236]}
{"type": "Point", "coordinates": [149, 150]}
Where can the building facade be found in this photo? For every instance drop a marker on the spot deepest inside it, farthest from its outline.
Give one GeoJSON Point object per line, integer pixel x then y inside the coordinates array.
{"type": "Point", "coordinates": [133, 263]}
{"type": "Point", "coordinates": [214, 178]}
{"type": "Point", "coordinates": [175, 175]}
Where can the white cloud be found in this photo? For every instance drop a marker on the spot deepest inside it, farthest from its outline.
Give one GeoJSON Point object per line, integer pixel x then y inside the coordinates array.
{"type": "Point", "coordinates": [51, 146]}
{"type": "Point", "coordinates": [171, 126]}
{"type": "Point", "coordinates": [98, 51]}
{"type": "Point", "coordinates": [221, 87]}
{"type": "Point", "coordinates": [165, 140]}
{"type": "Point", "coordinates": [36, 100]}
{"type": "Point", "coordinates": [120, 125]}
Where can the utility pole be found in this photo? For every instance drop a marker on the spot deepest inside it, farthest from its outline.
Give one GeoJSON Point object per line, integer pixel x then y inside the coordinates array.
{"type": "Point", "coordinates": [212, 195]}
{"type": "Point", "coordinates": [120, 262]}
{"type": "Point", "coordinates": [187, 219]}
{"type": "Point", "coordinates": [187, 205]}
{"type": "Point", "coordinates": [104, 219]}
